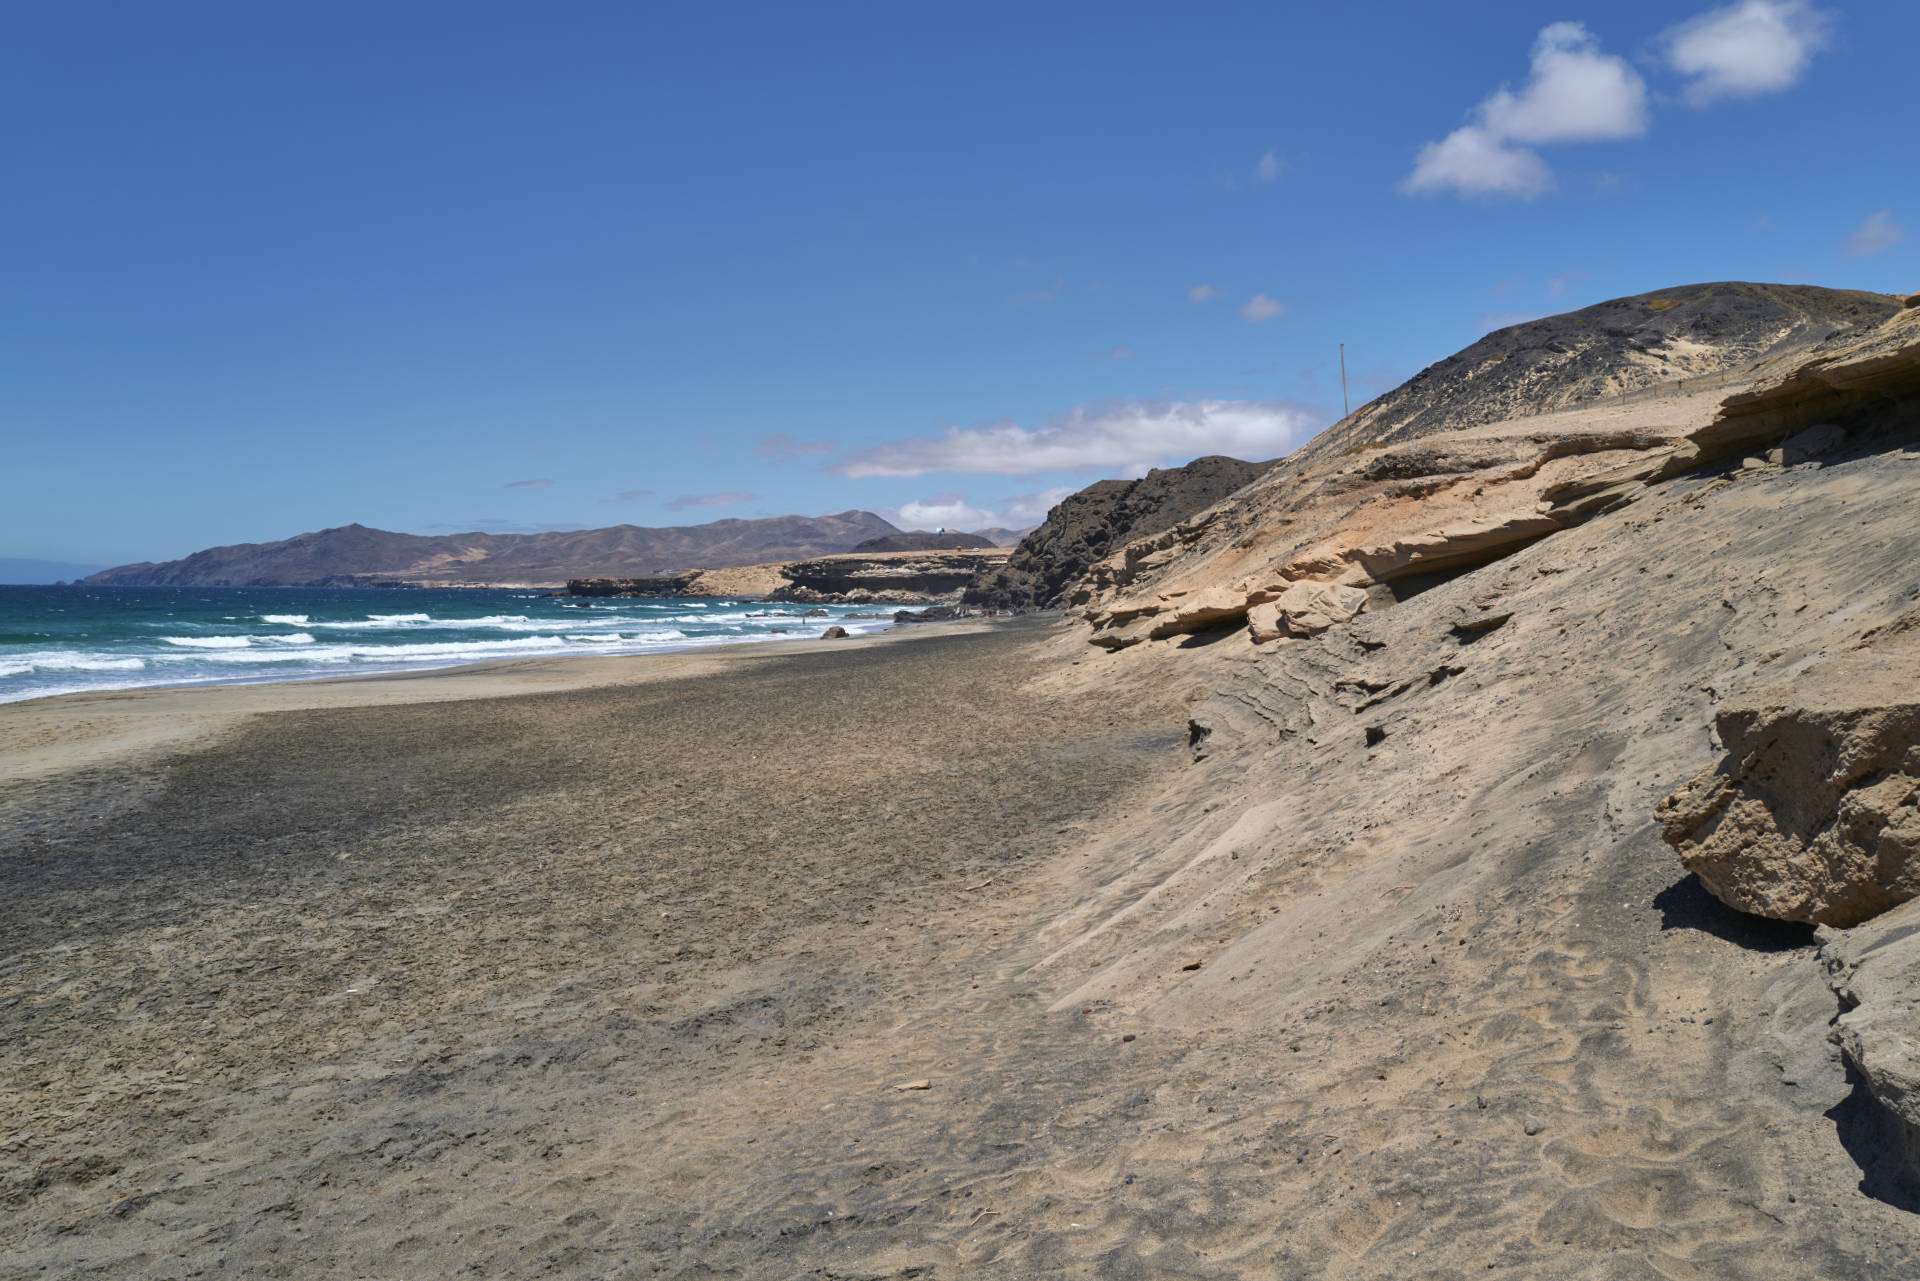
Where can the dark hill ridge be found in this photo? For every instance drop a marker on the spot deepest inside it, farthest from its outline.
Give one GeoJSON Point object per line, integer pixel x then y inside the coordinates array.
{"type": "Point", "coordinates": [355, 554]}
{"type": "Point", "coordinates": [1561, 362]}
{"type": "Point", "coordinates": [920, 540]}
{"type": "Point", "coordinates": [1098, 521]}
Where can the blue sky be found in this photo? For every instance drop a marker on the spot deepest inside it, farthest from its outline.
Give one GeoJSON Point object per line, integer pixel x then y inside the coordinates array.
{"type": "Point", "coordinates": [441, 267]}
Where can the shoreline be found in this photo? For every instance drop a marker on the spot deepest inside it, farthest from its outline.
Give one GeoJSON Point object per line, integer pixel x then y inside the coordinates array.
{"type": "Point", "coordinates": [108, 640]}
{"type": "Point", "coordinates": [48, 735]}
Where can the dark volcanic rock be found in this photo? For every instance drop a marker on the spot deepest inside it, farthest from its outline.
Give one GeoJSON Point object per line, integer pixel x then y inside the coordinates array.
{"type": "Point", "coordinates": [1098, 521]}
{"type": "Point", "coordinates": [1560, 362]}
{"type": "Point", "coordinates": [936, 614]}
{"type": "Point", "coordinates": [894, 578]}
{"type": "Point", "coordinates": [920, 540]}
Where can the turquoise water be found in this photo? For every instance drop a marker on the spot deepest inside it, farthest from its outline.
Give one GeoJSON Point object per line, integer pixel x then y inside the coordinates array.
{"type": "Point", "coordinates": [58, 640]}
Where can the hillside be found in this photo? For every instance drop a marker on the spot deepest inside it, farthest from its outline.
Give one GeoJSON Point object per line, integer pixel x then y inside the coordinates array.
{"type": "Point", "coordinates": [356, 554]}
{"type": "Point", "coordinates": [1623, 345]}
{"type": "Point", "coordinates": [1084, 527]}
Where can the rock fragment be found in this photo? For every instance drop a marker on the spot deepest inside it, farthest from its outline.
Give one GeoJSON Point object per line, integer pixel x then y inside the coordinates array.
{"type": "Point", "coordinates": [1814, 813]}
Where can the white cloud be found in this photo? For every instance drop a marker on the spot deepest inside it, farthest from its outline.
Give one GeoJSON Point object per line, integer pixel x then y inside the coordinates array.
{"type": "Point", "coordinates": [527, 484]}
{"type": "Point", "coordinates": [1202, 293]}
{"type": "Point", "coordinates": [1746, 49]}
{"type": "Point", "coordinates": [1877, 231]}
{"type": "Point", "coordinates": [632, 495]}
{"type": "Point", "coordinates": [1268, 168]}
{"type": "Point", "coordinates": [1475, 163]}
{"type": "Point", "coordinates": [942, 511]}
{"type": "Point", "coordinates": [1115, 353]}
{"type": "Point", "coordinates": [1125, 438]}
{"type": "Point", "coordinates": [1260, 309]}
{"type": "Point", "coordinates": [1575, 94]}
{"type": "Point", "coordinates": [955, 511]}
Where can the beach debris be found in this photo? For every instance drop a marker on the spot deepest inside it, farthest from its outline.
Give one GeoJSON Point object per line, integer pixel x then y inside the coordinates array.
{"type": "Point", "coordinates": [1194, 964]}
{"type": "Point", "coordinates": [922, 1084]}
{"type": "Point", "coordinates": [981, 886]}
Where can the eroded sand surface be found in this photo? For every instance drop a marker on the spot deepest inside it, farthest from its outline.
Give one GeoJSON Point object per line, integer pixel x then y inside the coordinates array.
{"type": "Point", "coordinates": [1398, 980]}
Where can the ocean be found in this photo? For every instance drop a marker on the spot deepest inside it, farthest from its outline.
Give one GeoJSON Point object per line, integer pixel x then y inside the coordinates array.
{"type": "Point", "coordinates": [61, 640]}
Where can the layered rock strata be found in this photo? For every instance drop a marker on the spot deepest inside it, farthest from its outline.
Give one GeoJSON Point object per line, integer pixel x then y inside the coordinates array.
{"type": "Point", "coordinates": [890, 578]}
{"type": "Point", "coordinates": [1394, 519]}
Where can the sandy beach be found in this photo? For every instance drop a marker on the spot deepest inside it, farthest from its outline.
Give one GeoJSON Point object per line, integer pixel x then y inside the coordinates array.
{"type": "Point", "coordinates": [945, 955]}
{"type": "Point", "coordinates": [435, 974]}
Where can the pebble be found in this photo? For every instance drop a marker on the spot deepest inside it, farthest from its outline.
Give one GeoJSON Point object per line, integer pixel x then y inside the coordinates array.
{"type": "Point", "coordinates": [1533, 1125]}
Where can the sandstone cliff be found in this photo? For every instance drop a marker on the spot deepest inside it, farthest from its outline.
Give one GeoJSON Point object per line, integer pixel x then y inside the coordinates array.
{"type": "Point", "coordinates": [1443, 693]}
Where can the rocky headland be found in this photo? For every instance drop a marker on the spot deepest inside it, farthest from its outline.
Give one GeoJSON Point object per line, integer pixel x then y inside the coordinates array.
{"type": "Point", "coordinates": [874, 578]}
{"type": "Point", "coordinates": [1085, 527]}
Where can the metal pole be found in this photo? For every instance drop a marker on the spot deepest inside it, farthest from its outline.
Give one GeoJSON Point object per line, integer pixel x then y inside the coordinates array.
{"type": "Point", "coordinates": [1345, 407]}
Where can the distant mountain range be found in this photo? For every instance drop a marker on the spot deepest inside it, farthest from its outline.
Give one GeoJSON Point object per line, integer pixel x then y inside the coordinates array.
{"type": "Point", "coordinates": [14, 570]}
{"type": "Point", "coordinates": [356, 556]}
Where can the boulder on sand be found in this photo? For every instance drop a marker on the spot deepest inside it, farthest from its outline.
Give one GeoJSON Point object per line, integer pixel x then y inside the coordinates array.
{"type": "Point", "coordinates": [1814, 813]}
{"type": "Point", "coordinates": [834, 633]}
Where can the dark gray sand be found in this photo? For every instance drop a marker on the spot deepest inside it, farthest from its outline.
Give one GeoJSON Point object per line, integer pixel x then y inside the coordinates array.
{"type": "Point", "coordinates": [625, 983]}
{"type": "Point", "coordinates": [606, 983]}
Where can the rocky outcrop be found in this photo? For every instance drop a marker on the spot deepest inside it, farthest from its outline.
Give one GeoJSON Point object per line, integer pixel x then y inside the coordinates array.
{"type": "Point", "coordinates": [1303, 609]}
{"type": "Point", "coordinates": [1864, 386]}
{"type": "Point", "coordinates": [920, 540]}
{"type": "Point", "coordinates": [1875, 973]}
{"type": "Point", "coordinates": [1814, 813]}
{"type": "Point", "coordinates": [893, 578]}
{"type": "Point", "coordinates": [630, 588]}
{"type": "Point", "coordinates": [751, 581]}
{"type": "Point", "coordinates": [1396, 517]}
{"type": "Point", "coordinates": [1583, 357]}
{"type": "Point", "coordinates": [1086, 527]}
{"type": "Point", "coordinates": [1402, 515]}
